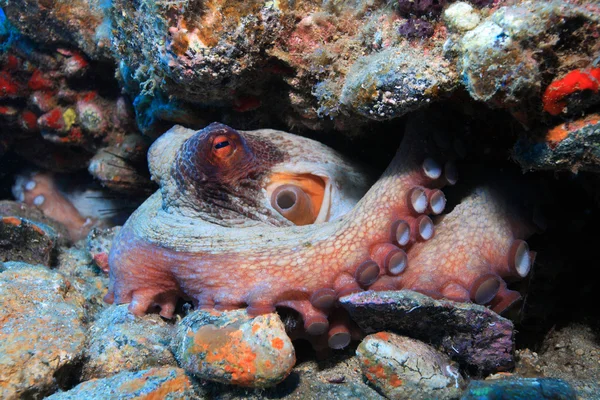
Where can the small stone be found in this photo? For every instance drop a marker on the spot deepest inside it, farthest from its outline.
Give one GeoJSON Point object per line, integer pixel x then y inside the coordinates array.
{"type": "Point", "coordinates": [156, 383]}
{"type": "Point", "coordinates": [234, 348]}
{"type": "Point", "coordinates": [520, 388]}
{"type": "Point", "coordinates": [405, 368]}
{"type": "Point", "coordinates": [579, 352]}
{"type": "Point", "coordinates": [120, 341]}
{"type": "Point", "coordinates": [469, 333]}
{"type": "Point", "coordinates": [461, 16]}
{"type": "Point", "coordinates": [42, 335]}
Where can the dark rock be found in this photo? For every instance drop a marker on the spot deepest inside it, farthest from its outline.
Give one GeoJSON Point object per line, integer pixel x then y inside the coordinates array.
{"type": "Point", "coordinates": [119, 341]}
{"type": "Point", "coordinates": [27, 235]}
{"type": "Point", "coordinates": [471, 334]}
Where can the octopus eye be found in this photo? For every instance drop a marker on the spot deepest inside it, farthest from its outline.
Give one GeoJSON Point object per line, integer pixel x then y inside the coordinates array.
{"type": "Point", "coordinates": [223, 147]}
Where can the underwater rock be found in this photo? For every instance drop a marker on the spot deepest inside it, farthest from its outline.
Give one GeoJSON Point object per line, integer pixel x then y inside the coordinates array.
{"type": "Point", "coordinates": [27, 235]}
{"type": "Point", "coordinates": [220, 54]}
{"type": "Point", "coordinates": [99, 242]}
{"type": "Point", "coordinates": [494, 67]}
{"type": "Point", "coordinates": [76, 264]}
{"type": "Point", "coordinates": [232, 347]}
{"type": "Point", "coordinates": [500, 60]}
{"type": "Point", "coordinates": [520, 388]}
{"type": "Point", "coordinates": [119, 341]}
{"type": "Point", "coordinates": [405, 368]}
{"type": "Point", "coordinates": [461, 16]}
{"type": "Point", "coordinates": [395, 81]}
{"type": "Point", "coordinates": [121, 166]}
{"type": "Point", "coordinates": [471, 334]}
{"type": "Point", "coordinates": [75, 22]}
{"type": "Point", "coordinates": [570, 146]}
{"type": "Point", "coordinates": [42, 336]}
{"type": "Point", "coordinates": [155, 383]}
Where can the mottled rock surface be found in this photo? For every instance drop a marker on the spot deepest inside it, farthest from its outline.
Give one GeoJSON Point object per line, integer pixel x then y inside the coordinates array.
{"type": "Point", "coordinates": [76, 264]}
{"type": "Point", "coordinates": [232, 347]}
{"type": "Point", "coordinates": [76, 21]}
{"type": "Point", "coordinates": [571, 146]}
{"type": "Point", "coordinates": [470, 334]}
{"type": "Point", "coordinates": [119, 341]}
{"type": "Point", "coordinates": [337, 376]}
{"type": "Point", "coordinates": [27, 235]}
{"type": "Point", "coordinates": [404, 368]}
{"type": "Point", "coordinates": [42, 336]}
{"type": "Point", "coordinates": [156, 383]}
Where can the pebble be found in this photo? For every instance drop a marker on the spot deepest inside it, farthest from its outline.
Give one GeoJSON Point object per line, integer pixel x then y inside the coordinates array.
{"type": "Point", "coordinates": [405, 368]}
{"type": "Point", "coordinates": [156, 383]}
{"type": "Point", "coordinates": [42, 336]}
{"type": "Point", "coordinates": [232, 347]}
{"type": "Point", "coordinates": [120, 341]}
{"type": "Point", "coordinates": [461, 16]}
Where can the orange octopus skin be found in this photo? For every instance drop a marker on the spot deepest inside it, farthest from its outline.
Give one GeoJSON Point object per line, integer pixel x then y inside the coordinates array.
{"type": "Point", "coordinates": [386, 241]}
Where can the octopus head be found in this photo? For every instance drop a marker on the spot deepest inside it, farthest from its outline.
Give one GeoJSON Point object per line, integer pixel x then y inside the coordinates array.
{"type": "Point", "coordinates": [234, 177]}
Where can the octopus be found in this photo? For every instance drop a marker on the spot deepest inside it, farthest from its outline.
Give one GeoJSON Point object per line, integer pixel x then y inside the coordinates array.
{"type": "Point", "coordinates": [264, 219]}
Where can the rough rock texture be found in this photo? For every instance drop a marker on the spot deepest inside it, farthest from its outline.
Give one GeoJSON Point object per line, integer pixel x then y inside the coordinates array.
{"type": "Point", "coordinates": [401, 367]}
{"type": "Point", "coordinates": [27, 235]}
{"type": "Point", "coordinates": [308, 59]}
{"type": "Point", "coordinates": [571, 146]}
{"type": "Point", "coordinates": [119, 341]}
{"type": "Point", "coordinates": [232, 347]}
{"type": "Point", "coordinates": [337, 376]}
{"type": "Point", "coordinates": [42, 336]}
{"type": "Point", "coordinates": [73, 22]}
{"type": "Point", "coordinates": [470, 334]}
{"type": "Point", "coordinates": [90, 282]}
{"type": "Point", "coordinates": [156, 383]}
{"type": "Point", "coordinates": [351, 62]}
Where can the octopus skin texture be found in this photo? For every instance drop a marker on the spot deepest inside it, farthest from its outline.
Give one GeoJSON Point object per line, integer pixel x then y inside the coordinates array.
{"type": "Point", "coordinates": [202, 237]}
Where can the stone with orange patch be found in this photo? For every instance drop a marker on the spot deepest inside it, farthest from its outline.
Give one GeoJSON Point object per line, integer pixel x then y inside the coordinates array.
{"type": "Point", "coordinates": [405, 368]}
{"type": "Point", "coordinates": [151, 384]}
{"type": "Point", "coordinates": [570, 146]}
{"type": "Point", "coordinates": [41, 330]}
{"type": "Point", "coordinates": [234, 348]}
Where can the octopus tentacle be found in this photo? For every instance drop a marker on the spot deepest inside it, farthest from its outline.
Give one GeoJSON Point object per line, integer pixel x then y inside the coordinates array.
{"type": "Point", "coordinates": [478, 245]}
